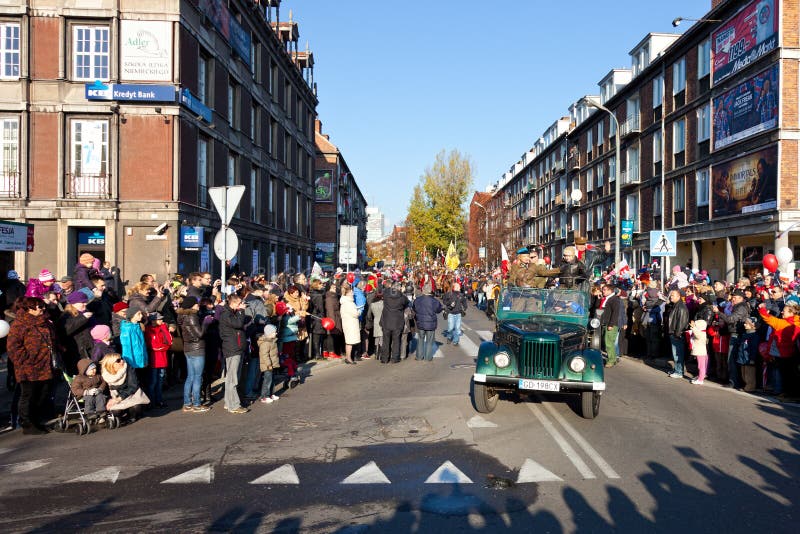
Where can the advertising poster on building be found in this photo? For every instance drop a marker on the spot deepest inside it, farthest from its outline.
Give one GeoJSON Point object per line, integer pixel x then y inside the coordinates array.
{"type": "Point", "coordinates": [626, 233]}
{"type": "Point", "coordinates": [323, 185]}
{"type": "Point", "coordinates": [747, 184]}
{"type": "Point", "coordinates": [92, 135]}
{"type": "Point", "coordinates": [325, 254]}
{"type": "Point", "coordinates": [747, 109]}
{"type": "Point", "coordinates": [217, 12]}
{"type": "Point", "coordinates": [16, 236]}
{"type": "Point", "coordinates": [146, 50]}
{"type": "Point", "coordinates": [743, 39]}
{"type": "Point", "coordinates": [205, 258]}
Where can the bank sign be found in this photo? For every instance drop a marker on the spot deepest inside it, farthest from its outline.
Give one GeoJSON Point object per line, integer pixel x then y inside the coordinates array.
{"type": "Point", "coordinates": [191, 237]}
{"type": "Point", "coordinates": [130, 92]}
{"type": "Point", "coordinates": [746, 37]}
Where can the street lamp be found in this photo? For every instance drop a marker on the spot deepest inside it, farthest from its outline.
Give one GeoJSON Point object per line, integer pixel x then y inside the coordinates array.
{"type": "Point", "coordinates": [617, 184]}
{"type": "Point", "coordinates": [677, 20]}
{"type": "Point", "coordinates": [486, 232]}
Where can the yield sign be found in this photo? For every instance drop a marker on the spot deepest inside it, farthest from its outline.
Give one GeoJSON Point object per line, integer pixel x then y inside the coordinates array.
{"type": "Point", "coordinates": [226, 199]}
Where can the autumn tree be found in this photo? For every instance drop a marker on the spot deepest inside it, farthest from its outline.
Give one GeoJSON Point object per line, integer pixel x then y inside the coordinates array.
{"type": "Point", "coordinates": [435, 213]}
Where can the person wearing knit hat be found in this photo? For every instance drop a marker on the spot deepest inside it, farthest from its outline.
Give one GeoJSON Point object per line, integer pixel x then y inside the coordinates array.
{"type": "Point", "coordinates": [77, 297]}
{"type": "Point", "coordinates": [119, 306]}
{"type": "Point", "coordinates": [101, 334]}
{"type": "Point", "coordinates": [46, 276]}
{"type": "Point", "coordinates": [12, 275]}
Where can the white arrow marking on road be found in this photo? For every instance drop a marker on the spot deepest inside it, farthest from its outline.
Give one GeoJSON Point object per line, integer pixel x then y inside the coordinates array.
{"type": "Point", "coordinates": [285, 474]}
{"type": "Point", "coordinates": [109, 474]}
{"type": "Point", "coordinates": [369, 474]}
{"type": "Point", "coordinates": [479, 422]}
{"type": "Point", "coordinates": [485, 335]}
{"type": "Point", "coordinates": [203, 474]}
{"type": "Point", "coordinates": [5, 451]}
{"type": "Point", "coordinates": [533, 472]}
{"type": "Point", "coordinates": [448, 474]}
{"type": "Point", "coordinates": [23, 467]}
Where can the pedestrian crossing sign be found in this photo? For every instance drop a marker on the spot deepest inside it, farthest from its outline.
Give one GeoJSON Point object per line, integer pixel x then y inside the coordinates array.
{"type": "Point", "coordinates": [663, 243]}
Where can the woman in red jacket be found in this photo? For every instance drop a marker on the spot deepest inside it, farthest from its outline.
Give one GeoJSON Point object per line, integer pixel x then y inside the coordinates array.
{"type": "Point", "coordinates": [158, 340]}
{"type": "Point", "coordinates": [782, 344]}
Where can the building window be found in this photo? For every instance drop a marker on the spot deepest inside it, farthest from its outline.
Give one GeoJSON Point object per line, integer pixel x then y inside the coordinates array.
{"type": "Point", "coordinates": [589, 179]}
{"type": "Point", "coordinates": [678, 194]}
{"type": "Point", "coordinates": [203, 71]}
{"type": "Point", "coordinates": [253, 122]}
{"type": "Point", "coordinates": [231, 170]}
{"type": "Point", "coordinates": [254, 192]}
{"type": "Point", "coordinates": [600, 176]}
{"type": "Point", "coordinates": [704, 123]}
{"type": "Point", "coordinates": [90, 52]}
{"type": "Point", "coordinates": [285, 207]}
{"type": "Point", "coordinates": [679, 136]}
{"type": "Point", "coordinates": [9, 180]}
{"type": "Point", "coordinates": [657, 146]}
{"type": "Point", "coordinates": [89, 154]}
{"type": "Point", "coordinates": [271, 200]}
{"type": "Point", "coordinates": [9, 50]}
{"type": "Point", "coordinates": [657, 200]}
{"type": "Point", "coordinates": [589, 217]}
{"type": "Point", "coordinates": [599, 217]}
{"type": "Point", "coordinates": [658, 91]}
{"type": "Point", "coordinates": [233, 104]}
{"type": "Point", "coordinates": [202, 172]}
{"type": "Point", "coordinates": [702, 187]}
{"type": "Point", "coordinates": [633, 165]}
{"type": "Point", "coordinates": [612, 168]}
{"type": "Point", "coordinates": [679, 76]}
{"type": "Point", "coordinates": [704, 59]}
{"type": "Point", "coordinates": [575, 221]}
{"type": "Point", "coordinates": [600, 133]}
{"type": "Point", "coordinates": [612, 126]}
{"type": "Point", "coordinates": [589, 141]}
{"type": "Point", "coordinates": [632, 209]}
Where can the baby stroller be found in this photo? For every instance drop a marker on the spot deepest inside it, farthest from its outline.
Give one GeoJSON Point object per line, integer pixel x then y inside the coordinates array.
{"type": "Point", "coordinates": [74, 415]}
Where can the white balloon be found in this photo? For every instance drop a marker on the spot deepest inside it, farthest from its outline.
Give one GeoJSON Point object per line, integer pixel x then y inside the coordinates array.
{"type": "Point", "coordinates": [4, 328]}
{"type": "Point", "coordinates": [784, 255]}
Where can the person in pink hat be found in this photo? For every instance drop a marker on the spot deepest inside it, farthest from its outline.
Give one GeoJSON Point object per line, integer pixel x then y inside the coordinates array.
{"type": "Point", "coordinates": [37, 287]}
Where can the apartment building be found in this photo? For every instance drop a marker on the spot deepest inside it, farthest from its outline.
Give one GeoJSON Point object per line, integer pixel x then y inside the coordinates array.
{"type": "Point", "coordinates": [708, 125]}
{"type": "Point", "coordinates": [119, 115]}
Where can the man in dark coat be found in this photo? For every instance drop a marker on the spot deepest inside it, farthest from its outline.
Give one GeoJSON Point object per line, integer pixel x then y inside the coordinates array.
{"type": "Point", "coordinates": [613, 320]}
{"type": "Point", "coordinates": [572, 271]}
{"type": "Point", "coordinates": [427, 309]}
{"type": "Point", "coordinates": [677, 323]}
{"type": "Point", "coordinates": [392, 321]}
{"type": "Point", "coordinates": [735, 322]}
{"type": "Point", "coordinates": [232, 322]}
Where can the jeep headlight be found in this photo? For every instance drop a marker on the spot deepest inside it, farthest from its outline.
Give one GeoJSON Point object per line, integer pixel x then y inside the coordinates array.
{"type": "Point", "coordinates": [577, 364]}
{"type": "Point", "coordinates": [595, 322]}
{"type": "Point", "coordinates": [502, 359]}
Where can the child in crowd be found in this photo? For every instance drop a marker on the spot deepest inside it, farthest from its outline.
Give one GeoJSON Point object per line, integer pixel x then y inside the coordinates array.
{"type": "Point", "coordinates": [159, 340]}
{"type": "Point", "coordinates": [101, 334]}
{"type": "Point", "coordinates": [699, 348]}
{"type": "Point", "coordinates": [89, 385]}
{"type": "Point", "coordinates": [268, 361]}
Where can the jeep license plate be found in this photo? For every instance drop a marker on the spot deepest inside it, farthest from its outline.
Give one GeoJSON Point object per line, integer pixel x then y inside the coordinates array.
{"type": "Point", "coordinates": [539, 385]}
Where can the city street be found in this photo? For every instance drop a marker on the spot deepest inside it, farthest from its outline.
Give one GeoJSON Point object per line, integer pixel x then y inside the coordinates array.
{"type": "Point", "coordinates": [399, 448]}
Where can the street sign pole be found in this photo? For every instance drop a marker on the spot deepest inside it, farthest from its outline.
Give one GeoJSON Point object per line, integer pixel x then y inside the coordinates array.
{"type": "Point", "coordinates": [226, 199]}
{"type": "Point", "coordinates": [224, 217]}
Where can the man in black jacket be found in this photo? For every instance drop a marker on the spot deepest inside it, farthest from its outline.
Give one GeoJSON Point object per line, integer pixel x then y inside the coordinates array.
{"type": "Point", "coordinates": [735, 322]}
{"type": "Point", "coordinates": [455, 304]}
{"type": "Point", "coordinates": [232, 322]}
{"type": "Point", "coordinates": [613, 320]}
{"type": "Point", "coordinates": [677, 323]}
{"type": "Point", "coordinates": [393, 321]}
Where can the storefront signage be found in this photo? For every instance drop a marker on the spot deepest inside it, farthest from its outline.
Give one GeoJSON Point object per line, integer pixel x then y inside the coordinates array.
{"type": "Point", "coordinates": [146, 50]}
{"type": "Point", "coordinates": [747, 184]}
{"type": "Point", "coordinates": [217, 12]}
{"type": "Point", "coordinates": [191, 237]}
{"type": "Point", "coordinates": [323, 185]}
{"type": "Point", "coordinates": [130, 92]}
{"type": "Point", "coordinates": [195, 105]}
{"type": "Point", "coordinates": [748, 109]}
{"type": "Point", "coordinates": [16, 236]}
{"type": "Point", "coordinates": [743, 39]}
{"type": "Point", "coordinates": [626, 234]}
{"type": "Point", "coordinates": [92, 238]}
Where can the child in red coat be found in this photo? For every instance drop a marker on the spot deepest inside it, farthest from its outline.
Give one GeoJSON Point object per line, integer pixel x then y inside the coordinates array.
{"type": "Point", "coordinates": [159, 340]}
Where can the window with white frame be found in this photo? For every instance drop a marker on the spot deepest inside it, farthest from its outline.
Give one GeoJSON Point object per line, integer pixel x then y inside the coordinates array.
{"type": "Point", "coordinates": [9, 126]}
{"type": "Point", "coordinates": [202, 171]}
{"type": "Point", "coordinates": [633, 164]}
{"type": "Point", "coordinates": [704, 59]}
{"type": "Point", "coordinates": [704, 123]}
{"type": "Point", "coordinates": [203, 70]}
{"type": "Point", "coordinates": [657, 142]}
{"type": "Point", "coordinates": [657, 200]}
{"type": "Point", "coordinates": [232, 103]}
{"type": "Point", "coordinates": [678, 136]}
{"type": "Point", "coordinates": [589, 141]}
{"type": "Point", "coordinates": [90, 52]}
{"type": "Point", "coordinates": [632, 209]}
{"type": "Point", "coordinates": [612, 208]}
{"type": "Point", "coordinates": [589, 219]}
{"type": "Point", "coordinates": [612, 168]}
{"type": "Point", "coordinates": [599, 217]}
{"type": "Point", "coordinates": [600, 173]}
{"type": "Point", "coordinates": [679, 76]}
{"type": "Point", "coordinates": [702, 187]}
{"type": "Point", "coordinates": [678, 194]}
{"type": "Point", "coordinates": [254, 192]}
{"type": "Point", "coordinates": [9, 50]}
{"type": "Point", "coordinates": [658, 91]}
{"type": "Point", "coordinates": [575, 221]}
{"type": "Point", "coordinates": [589, 179]}
{"type": "Point", "coordinates": [231, 170]}
{"type": "Point", "coordinates": [599, 133]}
{"type": "Point", "coordinates": [612, 126]}
{"type": "Point", "coordinates": [89, 147]}
{"type": "Point", "coordinates": [253, 122]}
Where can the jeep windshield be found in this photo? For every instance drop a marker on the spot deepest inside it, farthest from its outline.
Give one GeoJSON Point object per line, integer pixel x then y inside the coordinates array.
{"type": "Point", "coordinates": [570, 305]}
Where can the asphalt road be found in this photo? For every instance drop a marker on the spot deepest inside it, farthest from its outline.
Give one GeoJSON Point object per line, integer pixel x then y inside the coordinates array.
{"type": "Point", "coordinates": [399, 448]}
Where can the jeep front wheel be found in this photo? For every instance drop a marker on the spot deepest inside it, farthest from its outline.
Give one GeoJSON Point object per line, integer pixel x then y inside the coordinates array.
{"type": "Point", "coordinates": [590, 404]}
{"type": "Point", "coordinates": [484, 399]}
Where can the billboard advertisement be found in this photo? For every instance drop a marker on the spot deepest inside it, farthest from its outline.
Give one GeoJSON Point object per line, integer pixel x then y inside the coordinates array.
{"type": "Point", "coordinates": [145, 50]}
{"type": "Point", "coordinates": [746, 37]}
{"type": "Point", "coordinates": [323, 185]}
{"type": "Point", "coordinates": [747, 184]}
{"type": "Point", "coordinates": [748, 109]}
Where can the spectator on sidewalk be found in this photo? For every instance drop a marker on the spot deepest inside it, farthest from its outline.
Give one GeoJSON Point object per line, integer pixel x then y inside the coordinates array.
{"type": "Point", "coordinates": [677, 322]}
{"type": "Point", "coordinates": [232, 322]}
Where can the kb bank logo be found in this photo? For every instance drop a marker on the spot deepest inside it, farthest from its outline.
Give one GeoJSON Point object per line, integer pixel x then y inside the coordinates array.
{"type": "Point", "coordinates": [99, 91]}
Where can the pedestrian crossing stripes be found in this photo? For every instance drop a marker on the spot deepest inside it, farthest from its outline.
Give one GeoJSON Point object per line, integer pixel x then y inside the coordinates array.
{"type": "Point", "coordinates": [23, 467]}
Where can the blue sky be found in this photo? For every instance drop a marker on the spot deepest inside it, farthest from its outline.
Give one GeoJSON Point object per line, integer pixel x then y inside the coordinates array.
{"type": "Point", "coordinates": [400, 81]}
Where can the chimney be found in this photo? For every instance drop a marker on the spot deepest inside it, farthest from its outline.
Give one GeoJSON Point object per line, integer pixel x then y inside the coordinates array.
{"type": "Point", "coordinates": [715, 3]}
{"type": "Point", "coordinates": [318, 126]}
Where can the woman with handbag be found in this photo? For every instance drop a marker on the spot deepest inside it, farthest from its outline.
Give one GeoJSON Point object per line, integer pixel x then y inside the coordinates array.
{"type": "Point", "coordinates": [30, 348]}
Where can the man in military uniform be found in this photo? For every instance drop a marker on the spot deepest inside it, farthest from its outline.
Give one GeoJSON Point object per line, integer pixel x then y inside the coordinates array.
{"type": "Point", "coordinates": [530, 271]}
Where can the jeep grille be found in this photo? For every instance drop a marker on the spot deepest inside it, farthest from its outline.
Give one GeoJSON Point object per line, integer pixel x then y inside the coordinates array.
{"type": "Point", "coordinates": [540, 359]}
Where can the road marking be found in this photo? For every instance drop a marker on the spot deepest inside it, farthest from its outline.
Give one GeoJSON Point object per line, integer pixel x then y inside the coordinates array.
{"type": "Point", "coordinates": [587, 448]}
{"type": "Point", "coordinates": [109, 474]}
{"type": "Point", "coordinates": [285, 474]}
{"type": "Point", "coordinates": [5, 451]}
{"type": "Point", "coordinates": [368, 474]}
{"type": "Point", "coordinates": [485, 335]}
{"type": "Point", "coordinates": [479, 422]}
{"type": "Point", "coordinates": [468, 346]}
{"type": "Point", "coordinates": [534, 472]}
{"type": "Point", "coordinates": [573, 456]}
{"type": "Point", "coordinates": [448, 474]}
{"type": "Point", "coordinates": [23, 467]}
{"type": "Point", "coordinates": [203, 474]}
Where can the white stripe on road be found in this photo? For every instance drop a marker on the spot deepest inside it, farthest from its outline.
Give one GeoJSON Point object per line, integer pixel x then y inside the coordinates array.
{"type": "Point", "coordinates": [368, 474]}
{"type": "Point", "coordinates": [479, 422]}
{"type": "Point", "coordinates": [587, 448]}
{"type": "Point", "coordinates": [534, 472]}
{"type": "Point", "coordinates": [5, 451]}
{"type": "Point", "coordinates": [203, 474]}
{"type": "Point", "coordinates": [285, 474]}
{"type": "Point", "coordinates": [485, 335]}
{"type": "Point", "coordinates": [23, 467]}
{"type": "Point", "coordinates": [573, 456]}
{"type": "Point", "coordinates": [109, 474]}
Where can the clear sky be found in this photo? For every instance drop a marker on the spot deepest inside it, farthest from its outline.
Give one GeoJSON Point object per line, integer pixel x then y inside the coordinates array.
{"type": "Point", "coordinates": [400, 81]}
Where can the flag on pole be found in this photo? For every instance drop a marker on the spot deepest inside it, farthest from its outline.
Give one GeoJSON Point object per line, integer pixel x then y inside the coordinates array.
{"type": "Point", "coordinates": [451, 260]}
{"type": "Point", "coordinates": [504, 259]}
{"type": "Point", "coordinates": [316, 270]}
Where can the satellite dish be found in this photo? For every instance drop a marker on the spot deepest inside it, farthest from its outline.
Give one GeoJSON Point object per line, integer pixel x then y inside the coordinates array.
{"type": "Point", "coordinates": [576, 195]}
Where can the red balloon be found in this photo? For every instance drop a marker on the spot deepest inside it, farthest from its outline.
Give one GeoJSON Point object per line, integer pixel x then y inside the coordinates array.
{"type": "Point", "coordinates": [351, 277]}
{"type": "Point", "coordinates": [770, 262]}
{"type": "Point", "coordinates": [547, 260]}
{"type": "Point", "coordinates": [327, 324]}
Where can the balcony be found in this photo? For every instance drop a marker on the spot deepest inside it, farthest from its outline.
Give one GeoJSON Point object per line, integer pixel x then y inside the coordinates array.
{"type": "Point", "coordinates": [630, 126]}
{"type": "Point", "coordinates": [574, 163]}
{"type": "Point", "coordinates": [630, 177]}
{"type": "Point", "coordinates": [9, 185]}
{"type": "Point", "coordinates": [559, 165]}
{"type": "Point", "coordinates": [559, 199]}
{"type": "Point", "coordinates": [83, 186]}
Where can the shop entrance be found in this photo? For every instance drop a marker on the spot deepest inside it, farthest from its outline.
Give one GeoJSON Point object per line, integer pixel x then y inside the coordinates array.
{"type": "Point", "coordinates": [91, 240]}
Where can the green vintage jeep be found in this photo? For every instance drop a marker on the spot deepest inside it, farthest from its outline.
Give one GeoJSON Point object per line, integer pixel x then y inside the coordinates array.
{"type": "Point", "coordinates": [543, 343]}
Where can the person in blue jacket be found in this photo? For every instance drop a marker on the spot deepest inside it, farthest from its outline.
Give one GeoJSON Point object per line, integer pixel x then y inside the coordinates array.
{"type": "Point", "coordinates": [427, 308]}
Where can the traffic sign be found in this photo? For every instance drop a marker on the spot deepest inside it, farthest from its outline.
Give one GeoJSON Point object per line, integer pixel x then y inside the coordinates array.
{"type": "Point", "coordinates": [663, 243]}
{"type": "Point", "coordinates": [226, 199]}
{"type": "Point", "coordinates": [226, 244]}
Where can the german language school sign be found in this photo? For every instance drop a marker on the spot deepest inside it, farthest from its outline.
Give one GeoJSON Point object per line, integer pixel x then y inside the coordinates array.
{"type": "Point", "coordinates": [16, 236]}
{"type": "Point", "coordinates": [746, 37]}
{"type": "Point", "coordinates": [747, 184]}
{"type": "Point", "coordinates": [747, 109]}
